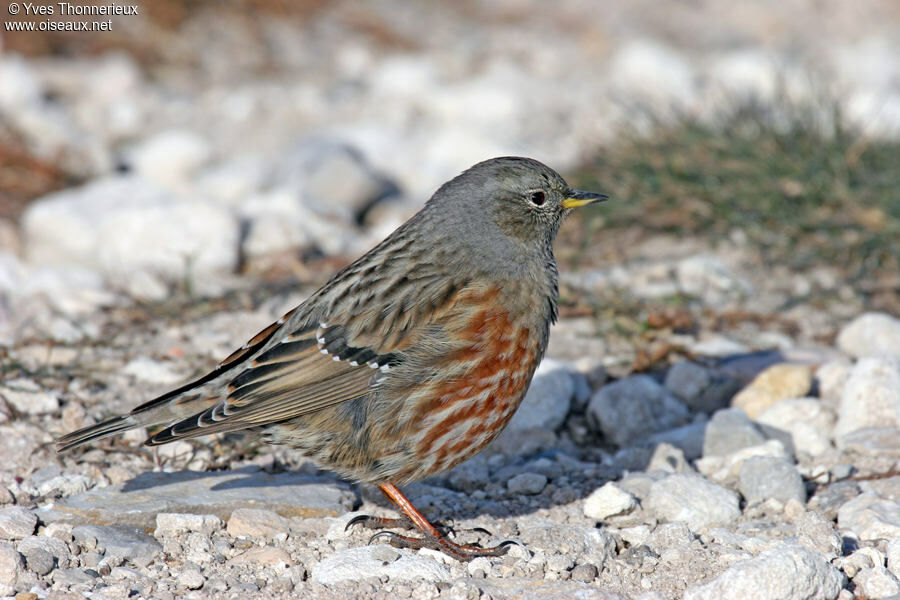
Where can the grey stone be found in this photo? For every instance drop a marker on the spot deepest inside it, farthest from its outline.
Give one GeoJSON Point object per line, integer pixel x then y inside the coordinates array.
{"type": "Point", "coordinates": [634, 408]}
{"type": "Point", "coordinates": [121, 541]}
{"type": "Point", "coordinates": [817, 532]}
{"type": "Point", "coordinates": [16, 522]}
{"type": "Point", "coordinates": [828, 499]}
{"type": "Point", "coordinates": [787, 572]}
{"type": "Point", "coordinates": [872, 441]}
{"type": "Point", "coordinates": [730, 429]}
{"type": "Point", "coordinates": [584, 573]}
{"type": "Point", "coordinates": [870, 517]}
{"type": "Point", "coordinates": [73, 576]}
{"type": "Point", "coordinates": [607, 501]}
{"type": "Point", "coordinates": [529, 589]}
{"type": "Point", "coordinates": [191, 577]}
{"type": "Point", "coordinates": [548, 400]}
{"type": "Point", "coordinates": [39, 561]}
{"type": "Point", "coordinates": [176, 523]}
{"type": "Point", "coordinates": [550, 536]}
{"type": "Point", "coordinates": [470, 475]}
{"type": "Point", "coordinates": [688, 438]}
{"type": "Point", "coordinates": [871, 396]}
{"type": "Point", "coordinates": [892, 554]}
{"type": "Point", "coordinates": [693, 500]}
{"type": "Point", "coordinates": [707, 277]}
{"type": "Point", "coordinates": [362, 562]}
{"type": "Point", "coordinates": [803, 423]}
{"type": "Point", "coordinates": [527, 483]}
{"type": "Point", "coordinates": [830, 380]}
{"type": "Point", "coordinates": [876, 583]}
{"type": "Point", "coordinates": [668, 458]}
{"type": "Point", "coordinates": [53, 546]}
{"type": "Point", "coordinates": [871, 334]}
{"type": "Point", "coordinates": [669, 535]}
{"type": "Point", "coordinates": [700, 388]}
{"type": "Point", "coordinates": [137, 501]}
{"type": "Point", "coordinates": [764, 477]}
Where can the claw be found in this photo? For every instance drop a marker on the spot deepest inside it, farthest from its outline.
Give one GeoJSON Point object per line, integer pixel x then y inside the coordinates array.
{"type": "Point", "coordinates": [388, 534]}
{"type": "Point", "coordinates": [355, 520]}
{"type": "Point", "coordinates": [515, 542]}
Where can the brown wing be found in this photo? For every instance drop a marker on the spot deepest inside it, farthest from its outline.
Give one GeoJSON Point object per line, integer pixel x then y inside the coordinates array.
{"type": "Point", "coordinates": [343, 358]}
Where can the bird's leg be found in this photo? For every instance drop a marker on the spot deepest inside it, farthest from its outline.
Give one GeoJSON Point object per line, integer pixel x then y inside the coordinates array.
{"type": "Point", "coordinates": [433, 537]}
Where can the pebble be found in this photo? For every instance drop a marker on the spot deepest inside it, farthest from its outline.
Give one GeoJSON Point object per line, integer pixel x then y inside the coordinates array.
{"type": "Point", "coordinates": [169, 157]}
{"type": "Point", "coordinates": [692, 499]}
{"type": "Point", "coordinates": [177, 523]}
{"type": "Point", "coordinates": [355, 564]}
{"type": "Point", "coordinates": [191, 577]}
{"type": "Point", "coordinates": [634, 408]}
{"type": "Point", "coordinates": [522, 588]}
{"type": "Point", "coordinates": [16, 522]}
{"type": "Point", "coordinates": [773, 385]}
{"type": "Point", "coordinates": [527, 483]}
{"type": "Point", "coordinates": [870, 517]}
{"type": "Point", "coordinates": [871, 334]}
{"type": "Point", "coordinates": [53, 546]}
{"type": "Point", "coordinates": [607, 501]}
{"type": "Point", "coordinates": [122, 541]}
{"type": "Point", "coordinates": [73, 576]}
{"type": "Point", "coordinates": [871, 396]}
{"type": "Point", "coordinates": [254, 522]}
{"type": "Point", "coordinates": [830, 379]}
{"type": "Point", "coordinates": [787, 572]}
{"type": "Point", "coordinates": [876, 583]}
{"type": "Point", "coordinates": [584, 573]}
{"type": "Point", "coordinates": [39, 561]}
{"type": "Point", "coordinates": [763, 477]}
{"type": "Point", "coordinates": [728, 430]}
{"type": "Point", "coordinates": [707, 277]}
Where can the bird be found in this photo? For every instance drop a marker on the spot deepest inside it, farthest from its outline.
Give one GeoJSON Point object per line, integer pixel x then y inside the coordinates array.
{"type": "Point", "coordinates": [407, 362]}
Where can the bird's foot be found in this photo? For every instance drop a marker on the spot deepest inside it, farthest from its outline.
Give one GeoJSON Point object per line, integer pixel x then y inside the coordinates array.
{"type": "Point", "coordinates": [404, 522]}
{"type": "Point", "coordinates": [461, 552]}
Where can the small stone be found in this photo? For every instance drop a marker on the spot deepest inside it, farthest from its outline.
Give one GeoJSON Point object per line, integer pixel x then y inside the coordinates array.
{"type": "Point", "coordinates": [634, 408]}
{"type": "Point", "coordinates": [265, 555]}
{"type": "Point", "coordinates": [729, 430]}
{"type": "Point", "coordinates": [170, 156]}
{"type": "Point", "coordinates": [16, 522]}
{"type": "Point", "coordinates": [870, 517]}
{"type": "Point", "coordinates": [693, 500]}
{"type": "Point", "coordinates": [27, 397]}
{"type": "Point", "coordinates": [527, 483]}
{"type": "Point", "coordinates": [773, 385]}
{"type": "Point", "coordinates": [876, 583]}
{"type": "Point", "coordinates": [355, 564]}
{"type": "Point", "coordinates": [893, 556]}
{"type": "Point", "coordinates": [252, 522]}
{"type": "Point", "coordinates": [700, 388]}
{"type": "Point", "coordinates": [831, 379]}
{"type": "Point", "coordinates": [191, 577]}
{"type": "Point", "coordinates": [584, 573]}
{"type": "Point", "coordinates": [786, 572]}
{"type": "Point", "coordinates": [559, 563]}
{"type": "Point", "coordinates": [129, 543]}
{"type": "Point", "coordinates": [177, 523]}
{"type": "Point", "coordinates": [763, 477]}
{"type": "Point", "coordinates": [607, 501]}
{"type": "Point", "coordinates": [55, 547]}
{"type": "Point", "coordinates": [871, 334]}
{"type": "Point", "coordinates": [39, 561]}
{"type": "Point", "coordinates": [73, 576]}
{"type": "Point", "coordinates": [871, 396]}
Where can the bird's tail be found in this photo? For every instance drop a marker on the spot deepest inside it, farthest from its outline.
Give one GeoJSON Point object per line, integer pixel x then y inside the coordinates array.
{"type": "Point", "coordinates": [107, 428]}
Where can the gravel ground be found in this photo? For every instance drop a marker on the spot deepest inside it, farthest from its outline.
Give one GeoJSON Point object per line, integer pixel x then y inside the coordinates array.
{"type": "Point", "coordinates": [741, 442]}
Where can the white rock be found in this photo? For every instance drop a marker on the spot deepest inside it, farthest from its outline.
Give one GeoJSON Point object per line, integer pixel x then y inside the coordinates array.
{"type": "Point", "coordinates": [876, 583]}
{"type": "Point", "coordinates": [871, 334]}
{"type": "Point", "coordinates": [870, 517]}
{"type": "Point", "coordinates": [26, 396]}
{"type": "Point", "coordinates": [607, 501]}
{"type": "Point", "coordinates": [806, 421]}
{"type": "Point", "coordinates": [147, 369]}
{"type": "Point", "coordinates": [377, 560]}
{"type": "Point", "coordinates": [16, 522]}
{"type": "Point", "coordinates": [527, 483]}
{"type": "Point", "coordinates": [693, 500]}
{"type": "Point", "coordinates": [11, 564]}
{"type": "Point", "coordinates": [126, 224]}
{"type": "Point", "coordinates": [177, 523]}
{"type": "Point", "coordinates": [655, 74]}
{"type": "Point", "coordinates": [871, 396]}
{"type": "Point", "coordinates": [893, 556]}
{"type": "Point", "coordinates": [170, 157]}
{"type": "Point", "coordinates": [787, 572]}
{"type": "Point", "coordinates": [707, 277]}
{"type": "Point", "coordinates": [747, 75]}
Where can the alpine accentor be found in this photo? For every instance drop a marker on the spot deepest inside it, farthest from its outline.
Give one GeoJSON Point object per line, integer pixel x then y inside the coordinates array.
{"type": "Point", "coordinates": [408, 361]}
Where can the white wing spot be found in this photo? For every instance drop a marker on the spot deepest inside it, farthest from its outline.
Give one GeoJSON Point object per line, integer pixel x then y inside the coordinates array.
{"type": "Point", "coordinates": [286, 339]}
{"type": "Point", "coordinates": [373, 364]}
{"type": "Point", "coordinates": [336, 358]}
{"type": "Point", "coordinates": [324, 325]}
{"type": "Point", "coordinates": [353, 363]}
{"type": "Point", "coordinates": [321, 340]}
{"type": "Point", "coordinates": [385, 368]}
{"type": "Point", "coordinates": [323, 351]}
{"type": "Point", "coordinates": [280, 321]}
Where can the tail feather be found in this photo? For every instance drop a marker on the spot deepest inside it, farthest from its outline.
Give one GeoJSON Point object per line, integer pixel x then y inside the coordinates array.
{"type": "Point", "coordinates": [95, 432]}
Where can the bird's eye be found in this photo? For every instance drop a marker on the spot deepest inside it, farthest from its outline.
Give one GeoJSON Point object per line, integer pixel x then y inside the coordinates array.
{"type": "Point", "coordinates": [538, 198]}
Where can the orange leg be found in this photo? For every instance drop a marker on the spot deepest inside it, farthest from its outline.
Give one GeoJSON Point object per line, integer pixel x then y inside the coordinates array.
{"type": "Point", "coordinates": [433, 538]}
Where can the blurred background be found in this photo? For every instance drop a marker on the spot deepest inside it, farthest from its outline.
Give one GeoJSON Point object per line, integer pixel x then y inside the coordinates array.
{"type": "Point", "coordinates": [201, 147]}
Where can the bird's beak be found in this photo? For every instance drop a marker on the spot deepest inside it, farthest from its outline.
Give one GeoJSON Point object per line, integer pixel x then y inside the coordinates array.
{"type": "Point", "coordinates": [578, 198]}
